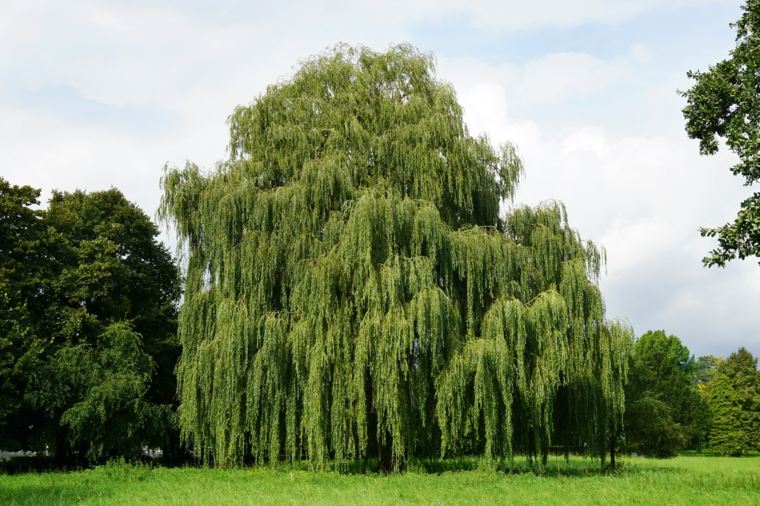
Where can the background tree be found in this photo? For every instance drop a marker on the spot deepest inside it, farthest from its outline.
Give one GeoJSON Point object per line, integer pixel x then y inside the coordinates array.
{"type": "Point", "coordinates": [22, 264]}
{"type": "Point", "coordinates": [724, 103]}
{"type": "Point", "coordinates": [666, 412]}
{"type": "Point", "coordinates": [93, 365]}
{"type": "Point", "coordinates": [651, 429]}
{"type": "Point", "coordinates": [728, 433]}
{"type": "Point", "coordinates": [740, 370]}
{"type": "Point", "coordinates": [352, 289]}
{"type": "Point", "coordinates": [114, 269]}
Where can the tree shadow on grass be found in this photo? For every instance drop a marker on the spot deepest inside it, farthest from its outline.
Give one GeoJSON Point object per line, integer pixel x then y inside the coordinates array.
{"type": "Point", "coordinates": [555, 467]}
{"type": "Point", "coordinates": [589, 468]}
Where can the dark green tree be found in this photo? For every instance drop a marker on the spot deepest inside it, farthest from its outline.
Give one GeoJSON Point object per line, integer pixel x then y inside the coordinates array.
{"type": "Point", "coordinates": [650, 428]}
{"type": "Point", "coordinates": [724, 103]}
{"type": "Point", "coordinates": [114, 269]}
{"type": "Point", "coordinates": [93, 367]}
{"type": "Point", "coordinates": [353, 289]}
{"type": "Point", "coordinates": [22, 267]}
{"type": "Point", "coordinates": [664, 403]}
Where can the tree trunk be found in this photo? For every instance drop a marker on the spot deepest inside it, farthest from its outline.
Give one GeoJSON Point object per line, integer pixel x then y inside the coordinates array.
{"type": "Point", "coordinates": [384, 454]}
{"type": "Point", "coordinates": [612, 450]}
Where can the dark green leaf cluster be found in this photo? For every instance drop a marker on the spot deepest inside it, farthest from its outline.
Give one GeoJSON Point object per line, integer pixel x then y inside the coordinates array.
{"type": "Point", "coordinates": [101, 394]}
{"type": "Point", "coordinates": [20, 228]}
{"type": "Point", "coordinates": [724, 103]}
{"type": "Point", "coordinates": [353, 289]}
{"type": "Point", "coordinates": [650, 428]}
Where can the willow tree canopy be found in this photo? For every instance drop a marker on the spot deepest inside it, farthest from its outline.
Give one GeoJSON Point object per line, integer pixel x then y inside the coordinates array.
{"type": "Point", "coordinates": [352, 289]}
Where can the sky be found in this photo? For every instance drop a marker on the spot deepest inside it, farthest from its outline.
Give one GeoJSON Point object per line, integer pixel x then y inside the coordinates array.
{"type": "Point", "coordinates": [95, 94]}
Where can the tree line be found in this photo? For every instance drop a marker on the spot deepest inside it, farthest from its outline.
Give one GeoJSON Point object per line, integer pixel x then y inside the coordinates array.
{"type": "Point", "coordinates": [88, 346]}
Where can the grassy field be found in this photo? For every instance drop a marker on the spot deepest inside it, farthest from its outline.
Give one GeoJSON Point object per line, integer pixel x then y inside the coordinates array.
{"type": "Point", "coordinates": [683, 480]}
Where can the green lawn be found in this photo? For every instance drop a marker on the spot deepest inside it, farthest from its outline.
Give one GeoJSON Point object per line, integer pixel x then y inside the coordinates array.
{"type": "Point", "coordinates": [683, 480]}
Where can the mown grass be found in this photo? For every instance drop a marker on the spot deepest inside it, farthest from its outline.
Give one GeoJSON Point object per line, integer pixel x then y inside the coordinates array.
{"type": "Point", "coordinates": [683, 480]}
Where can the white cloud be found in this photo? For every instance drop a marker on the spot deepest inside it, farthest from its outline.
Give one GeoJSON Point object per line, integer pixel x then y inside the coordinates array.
{"type": "Point", "coordinates": [521, 15]}
{"type": "Point", "coordinates": [486, 91]}
{"type": "Point", "coordinates": [557, 76]}
{"type": "Point", "coordinates": [510, 14]}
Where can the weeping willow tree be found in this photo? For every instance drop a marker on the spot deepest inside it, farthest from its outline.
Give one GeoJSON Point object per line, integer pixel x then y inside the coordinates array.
{"type": "Point", "coordinates": [354, 291]}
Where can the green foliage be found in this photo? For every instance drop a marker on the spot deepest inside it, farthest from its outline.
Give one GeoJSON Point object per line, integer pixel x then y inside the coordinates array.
{"type": "Point", "coordinates": [101, 392]}
{"type": "Point", "coordinates": [352, 289]}
{"type": "Point", "coordinates": [728, 435]}
{"type": "Point", "coordinates": [91, 323]}
{"type": "Point", "coordinates": [734, 398]}
{"type": "Point", "coordinates": [650, 428]}
{"type": "Point", "coordinates": [21, 261]}
{"type": "Point", "coordinates": [114, 269]}
{"type": "Point", "coordinates": [666, 411]}
{"type": "Point", "coordinates": [724, 102]}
